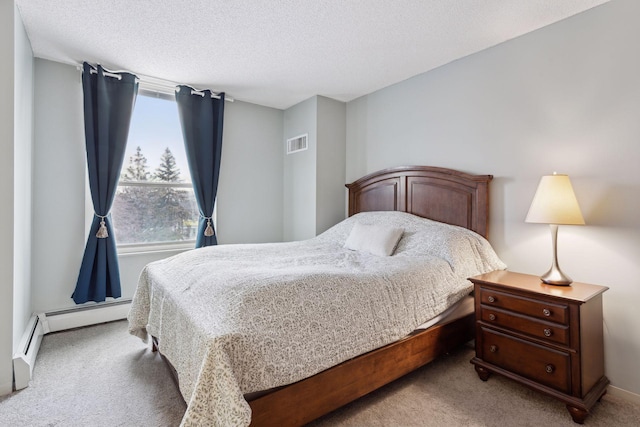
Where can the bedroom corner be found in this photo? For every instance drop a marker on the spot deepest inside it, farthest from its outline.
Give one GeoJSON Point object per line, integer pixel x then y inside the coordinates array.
{"type": "Point", "coordinates": [60, 174]}
{"type": "Point", "coordinates": [16, 135]}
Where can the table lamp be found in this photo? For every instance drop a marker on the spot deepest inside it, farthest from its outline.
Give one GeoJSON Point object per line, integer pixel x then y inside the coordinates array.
{"type": "Point", "coordinates": [555, 204]}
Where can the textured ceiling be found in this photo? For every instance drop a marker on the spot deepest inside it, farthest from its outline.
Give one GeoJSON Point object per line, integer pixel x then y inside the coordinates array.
{"type": "Point", "coordinates": [280, 52]}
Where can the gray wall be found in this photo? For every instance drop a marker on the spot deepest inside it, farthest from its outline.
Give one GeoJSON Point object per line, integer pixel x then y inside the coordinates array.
{"type": "Point", "coordinates": [250, 189]}
{"type": "Point", "coordinates": [314, 194]}
{"type": "Point", "coordinates": [23, 155]}
{"type": "Point", "coordinates": [6, 192]}
{"type": "Point", "coordinates": [58, 185]}
{"type": "Point", "coordinates": [250, 197]}
{"type": "Point", "coordinates": [299, 215]}
{"type": "Point", "coordinates": [565, 98]}
{"type": "Point", "coordinates": [16, 142]}
{"type": "Point", "coordinates": [330, 152]}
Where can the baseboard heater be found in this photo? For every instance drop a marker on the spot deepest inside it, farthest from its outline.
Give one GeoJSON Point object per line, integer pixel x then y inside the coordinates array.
{"type": "Point", "coordinates": [55, 321]}
{"type": "Point", "coordinates": [24, 361]}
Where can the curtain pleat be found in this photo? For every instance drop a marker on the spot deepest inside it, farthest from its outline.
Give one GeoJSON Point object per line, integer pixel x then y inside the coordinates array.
{"type": "Point", "coordinates": [108, 104]}
{"type": "Point", "coordinates": [202, 118]}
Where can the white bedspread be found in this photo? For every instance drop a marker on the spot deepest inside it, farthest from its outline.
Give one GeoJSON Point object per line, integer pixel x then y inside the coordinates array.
{"type": "Point", "coordinates": [235, 319]}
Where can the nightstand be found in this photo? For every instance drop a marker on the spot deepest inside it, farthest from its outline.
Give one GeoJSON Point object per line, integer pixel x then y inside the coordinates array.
{"type": "Point", "coordinates": [546, 337]}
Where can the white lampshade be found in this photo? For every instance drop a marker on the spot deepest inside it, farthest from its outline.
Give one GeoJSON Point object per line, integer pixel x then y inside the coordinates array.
{"type": "Point", "coordinates": [555, 202]}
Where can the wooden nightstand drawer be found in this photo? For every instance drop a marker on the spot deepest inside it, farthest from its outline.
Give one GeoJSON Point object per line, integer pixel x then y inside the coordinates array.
{"type": "Point", "coordinates": [549, 338]}
{"type": "Point", "coordinates": [547, 331]}
{"type": "Point", "coordinates": [552, 312]}
{"type": "Point", "coordinates": [540, 364]}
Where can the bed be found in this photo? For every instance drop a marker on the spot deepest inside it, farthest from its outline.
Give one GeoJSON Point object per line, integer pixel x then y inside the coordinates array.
{"type": "Point", "coordinates": [307, 327]}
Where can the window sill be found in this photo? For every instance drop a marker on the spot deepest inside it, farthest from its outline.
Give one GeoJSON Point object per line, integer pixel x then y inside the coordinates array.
{"type": "Point", "coordinates": [142, 249]}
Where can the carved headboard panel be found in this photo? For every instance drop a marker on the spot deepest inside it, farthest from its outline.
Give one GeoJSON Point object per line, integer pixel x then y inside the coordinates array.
{"type": "Point", "coordinates": [444, 195]}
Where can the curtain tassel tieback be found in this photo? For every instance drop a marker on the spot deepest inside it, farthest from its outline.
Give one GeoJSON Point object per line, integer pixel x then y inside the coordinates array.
{"type": "Point", "coordinates": [102, 231]}
{"type": "Point", "coordinates": [208, 232]}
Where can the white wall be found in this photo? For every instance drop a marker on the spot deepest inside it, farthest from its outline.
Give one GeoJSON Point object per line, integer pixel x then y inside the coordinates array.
{"type": "Point", "coordinates": [565, 98]}
{"type": "Point", "coordinates": [250, 189]}
{"type": "Point", "coordinates": [23, 146]}
{"type": "Point", "coordinates": [6, 192]}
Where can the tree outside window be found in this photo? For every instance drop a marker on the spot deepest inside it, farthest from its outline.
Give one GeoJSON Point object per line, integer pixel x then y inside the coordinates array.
{"type": "Point", "coordinates": [154, 205]}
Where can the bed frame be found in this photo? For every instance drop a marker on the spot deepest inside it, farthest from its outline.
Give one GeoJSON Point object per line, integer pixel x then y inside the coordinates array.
{"type": "Point", "coordinates": [441, 194]}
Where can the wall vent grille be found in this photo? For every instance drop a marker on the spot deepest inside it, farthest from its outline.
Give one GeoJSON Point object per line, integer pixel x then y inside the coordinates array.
{"type": "Point", "coordinates": [298, 143]}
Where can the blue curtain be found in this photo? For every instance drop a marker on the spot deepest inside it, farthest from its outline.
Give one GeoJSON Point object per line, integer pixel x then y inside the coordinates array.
{"type": "Point", "coordinates": [108, 103]}
{"type": "Point", "coordinates": [201, 117]}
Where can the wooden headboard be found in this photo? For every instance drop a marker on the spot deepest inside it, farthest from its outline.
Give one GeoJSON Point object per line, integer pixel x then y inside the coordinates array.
{"type": "Point", "coordinates": [444, 195]}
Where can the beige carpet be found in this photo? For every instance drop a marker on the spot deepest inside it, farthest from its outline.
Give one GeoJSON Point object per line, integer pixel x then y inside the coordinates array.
{"type": "Point", "coordinates": [101, 376]}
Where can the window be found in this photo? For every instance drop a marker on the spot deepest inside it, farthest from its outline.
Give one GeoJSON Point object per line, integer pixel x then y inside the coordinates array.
{"type": "Point", "coordinates": [154, 203]}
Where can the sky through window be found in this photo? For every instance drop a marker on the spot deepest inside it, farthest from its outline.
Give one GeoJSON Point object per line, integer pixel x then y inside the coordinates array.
{"type": "Point", "coordinates": [155, 125]}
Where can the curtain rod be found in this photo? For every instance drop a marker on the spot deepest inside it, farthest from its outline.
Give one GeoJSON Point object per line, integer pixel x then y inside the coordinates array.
{"type": "Point", "coordinates": [106, 73]}
{"type": "Point", "coordinates": [158, 85]}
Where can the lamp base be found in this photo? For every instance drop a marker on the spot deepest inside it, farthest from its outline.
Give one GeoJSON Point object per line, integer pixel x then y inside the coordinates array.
{"type": "Point", "coordinates": [556, 277]}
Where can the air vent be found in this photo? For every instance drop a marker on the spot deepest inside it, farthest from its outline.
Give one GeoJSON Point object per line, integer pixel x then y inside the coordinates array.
{"type": "Point", "coordinates": [298, 143]}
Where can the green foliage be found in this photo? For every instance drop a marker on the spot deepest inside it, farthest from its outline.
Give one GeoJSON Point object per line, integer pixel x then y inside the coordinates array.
{"type": "Point", "coordinates": [137, 170]}
{"type": "Point", "coordinates": [167, 171]}
{"type": "Point", "coordinates": [143, 213]}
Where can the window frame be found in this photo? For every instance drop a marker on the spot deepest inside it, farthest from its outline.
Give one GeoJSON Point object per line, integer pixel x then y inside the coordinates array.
{"type": "Point", "coordinates": [149, 247]}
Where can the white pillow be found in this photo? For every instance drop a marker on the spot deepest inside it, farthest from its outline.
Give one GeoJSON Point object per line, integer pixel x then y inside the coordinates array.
{"type": "Point", "coordinates": [375, 239]}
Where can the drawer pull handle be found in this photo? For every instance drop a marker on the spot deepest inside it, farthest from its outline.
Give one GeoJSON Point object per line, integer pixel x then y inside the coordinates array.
{"type": "Point", "coordinates": [546, 312]}
{"type": "Point", "coordinates": [492, 316]}
{"type": "Point", "coordinates": [491, 299]}
{"type": "Point", "coordinates": [548, 332]}
{"type": "Point", "coordinates": [550, 368]}
{"type": "Point", "coordinates": [493, 349]}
